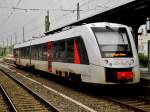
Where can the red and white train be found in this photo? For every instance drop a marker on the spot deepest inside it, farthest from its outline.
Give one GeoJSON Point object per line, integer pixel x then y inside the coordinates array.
{"type": "Point", "coordinates": [100, 53]}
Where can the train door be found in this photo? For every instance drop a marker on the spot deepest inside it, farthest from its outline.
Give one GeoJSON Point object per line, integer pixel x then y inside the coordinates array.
{"type": "Point", "coordinates": [50, 55]}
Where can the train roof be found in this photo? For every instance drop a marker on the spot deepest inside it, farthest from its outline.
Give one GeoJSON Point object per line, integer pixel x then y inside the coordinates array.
{"type": "Point", "coordinates": [52, 37]}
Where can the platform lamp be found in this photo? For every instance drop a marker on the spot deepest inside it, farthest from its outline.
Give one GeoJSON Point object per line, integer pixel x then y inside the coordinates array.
{"type": "Point", "coordinates": [148, 24]}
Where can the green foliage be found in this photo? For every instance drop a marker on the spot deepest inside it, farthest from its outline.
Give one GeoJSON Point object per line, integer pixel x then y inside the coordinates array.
{"type": "Point", "coordinates": [143, 60]}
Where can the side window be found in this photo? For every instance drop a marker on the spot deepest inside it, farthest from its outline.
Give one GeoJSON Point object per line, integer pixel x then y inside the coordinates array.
{"type": "Point", "coordinates": [82, 51]}
{"type": "Point", "coordinates": [64, 51]}
{"type": "Point", "coordinates": [15, 53]}
{"type": "Point", "coordinates": [40, 51]}
{"type": "Point", "coordinates": [55, 52]}
{"type": "Point", "coordinates": [44, 52]}
{"type": "Point", "coordinates": [26, 52]}
{"type": "Point", "coordinates": [22, 52]}
{"type": "Point", "coordinates": [33, 52]}
{"type": "Point", "coordinates": [18, 52]}
{"type": "Point", "coordinates": [60, 51]}
{"type": "Point", "coordinates": [70, 50]}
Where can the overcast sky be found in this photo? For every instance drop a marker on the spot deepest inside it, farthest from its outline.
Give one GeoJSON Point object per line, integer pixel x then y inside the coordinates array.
{"type": "Point", "coordinates": [13, 20]}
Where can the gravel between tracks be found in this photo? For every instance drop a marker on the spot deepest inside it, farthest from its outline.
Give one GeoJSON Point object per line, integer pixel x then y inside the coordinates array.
{"type": "Point", "coordinates": [21, 98]}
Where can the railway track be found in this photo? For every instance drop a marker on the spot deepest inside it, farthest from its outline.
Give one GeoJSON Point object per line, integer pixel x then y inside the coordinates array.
{"type": "Point", "coordinates": [137, 103]}
{"type": "Point", "coordinates": [131, 104]}
{"type": "Point", "coordinates": [8, 100]}
{"type": "Point", "coordinates": [22, 98]}
{"type": "Point", "coordinates": [59, 101]}
{"type": "Point", "coordinates": [4, 106]}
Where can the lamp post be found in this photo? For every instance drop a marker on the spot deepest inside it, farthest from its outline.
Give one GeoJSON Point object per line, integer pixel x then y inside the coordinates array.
{"type": "Point", "coordinates": [2, 48]}
{"type": "Point", "coordinates": [148, 24]}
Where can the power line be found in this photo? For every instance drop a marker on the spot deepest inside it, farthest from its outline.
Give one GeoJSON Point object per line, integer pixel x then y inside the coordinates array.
{"type": "Point", "coordinates": [11, 13]}
{"type": "Point", "coordinates": [38, 9]}
{"type": "Point", "coordinates": [83, 4]}
{"type": "Point", "coordinates": [14, 8]}
{"type": "Point", "coordinates": [19, 28]}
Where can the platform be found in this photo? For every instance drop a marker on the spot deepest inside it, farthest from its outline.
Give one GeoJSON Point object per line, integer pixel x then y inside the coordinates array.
{"type": "Point", "coordinates": [145, 74]}
{"type": "Point", "coordinates": [145, 77]}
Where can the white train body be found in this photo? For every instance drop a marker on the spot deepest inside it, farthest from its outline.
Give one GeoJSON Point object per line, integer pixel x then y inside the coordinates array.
{"type": "Point", "coordinates": [101, 53]}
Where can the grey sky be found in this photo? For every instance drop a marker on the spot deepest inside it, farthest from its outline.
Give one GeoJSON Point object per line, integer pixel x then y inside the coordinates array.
{"type": "Point", "coordinates": [12, 21]}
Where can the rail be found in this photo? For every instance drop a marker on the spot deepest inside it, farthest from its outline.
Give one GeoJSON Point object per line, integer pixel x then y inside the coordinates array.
{"type": "Point", "coordinates": [133, 105]}
{"type": "Point", "coordinates": [51, 107]}
{"type": "Point", "coordinates": [8, 99]}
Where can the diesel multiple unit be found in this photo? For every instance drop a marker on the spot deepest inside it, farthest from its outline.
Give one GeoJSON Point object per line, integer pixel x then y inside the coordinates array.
{"type": "Point", "coordinates": [101, 53]}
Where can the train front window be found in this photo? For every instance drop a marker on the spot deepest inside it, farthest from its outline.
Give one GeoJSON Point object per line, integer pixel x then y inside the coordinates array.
{"type": "Point", "coordinates": [113, 42]}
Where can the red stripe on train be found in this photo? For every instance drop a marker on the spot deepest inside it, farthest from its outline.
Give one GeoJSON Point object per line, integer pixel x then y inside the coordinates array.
{"type": "Point", "coordinates": [76, 53]}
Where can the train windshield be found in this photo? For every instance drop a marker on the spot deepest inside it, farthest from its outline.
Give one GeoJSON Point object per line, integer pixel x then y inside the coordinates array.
{"type": "Point", "coordinates": [113, 42]}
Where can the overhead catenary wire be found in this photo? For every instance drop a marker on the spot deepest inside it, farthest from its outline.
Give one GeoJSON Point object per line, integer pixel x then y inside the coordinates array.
{"type": "Point", "coordinates": [70, 10]}
{"type": "Point", "coordinates": [81, 5]}
{"type": "Point", "coordinates": [37, 9]}
{"type": "Point", "coordinates": [11, 13]}
{"type": "Point", "coordinates": [18, 29]}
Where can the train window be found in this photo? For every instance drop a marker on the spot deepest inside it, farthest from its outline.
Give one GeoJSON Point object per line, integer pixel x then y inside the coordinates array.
{"type": "Point", "coordinates": [59, 51]}
{"type": "Point", "coordinates": [24, 52]}
{"type": "Point", "coordinates": [82, 51]}
{"type": "Point", "coordinates": [70, 50]}
{"type": "Point", "coordinates": [113, 42]}
{"type": "Point", "coordinates": [21, 55]}
{"type": "Point", "coordinates": [40, 52]}
{"type": "Point", "coordinates": [64, 51]}
{"type": "Point", "coordinates": [55, 56]}
{"type": "Point", "coordinates": [44, 52]}
{"type": "Point", "coordinates": [15, 53]}
{"type": "Point", "coordinates": [33, 52]}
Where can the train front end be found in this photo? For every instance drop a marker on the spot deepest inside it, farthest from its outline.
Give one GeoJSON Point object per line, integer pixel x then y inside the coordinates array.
{"type": "Point", "coordinates": [118, 59]}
